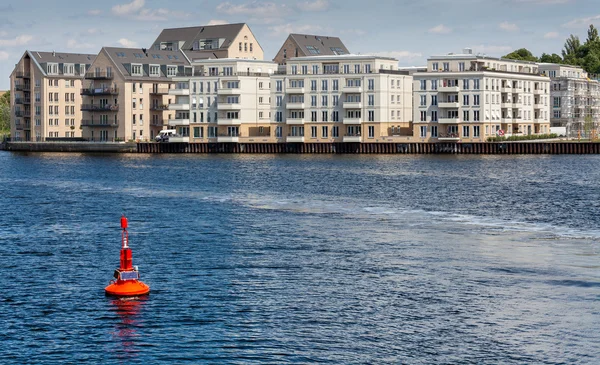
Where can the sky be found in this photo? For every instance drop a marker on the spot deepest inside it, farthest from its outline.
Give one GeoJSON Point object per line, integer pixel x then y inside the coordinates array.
{"type": "Point", "coordinates": [409, 30]}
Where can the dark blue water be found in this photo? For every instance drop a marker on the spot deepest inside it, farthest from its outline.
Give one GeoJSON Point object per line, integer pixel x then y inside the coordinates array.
{"type": "Point", "coordinates": [302, 259]}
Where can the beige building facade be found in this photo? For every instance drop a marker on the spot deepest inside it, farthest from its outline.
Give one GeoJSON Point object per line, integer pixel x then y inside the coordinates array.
{"type": "Point", "coordinates": [126, 93]}
{"type": "Point", "coordinates": [341, 98]}
{"type": "Point", "coordinates": [469, 98]}
{"type": "Point", "coordinates": [226, 100]}
{"type": "Point", "coordinates": [45, 95]}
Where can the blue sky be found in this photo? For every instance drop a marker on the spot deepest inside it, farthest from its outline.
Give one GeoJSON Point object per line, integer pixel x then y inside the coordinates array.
{"type": "Point", "coordinates": [410, 30]}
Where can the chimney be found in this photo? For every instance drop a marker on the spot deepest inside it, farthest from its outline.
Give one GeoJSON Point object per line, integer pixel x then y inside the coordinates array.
{"type": "Point", "coordinates": [468, 51]}
{"type": "Point", "coordinates": [53, 53]}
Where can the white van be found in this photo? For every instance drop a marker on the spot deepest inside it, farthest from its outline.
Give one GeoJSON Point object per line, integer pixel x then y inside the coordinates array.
{"type": "Point", "coordinates": [163, 136]}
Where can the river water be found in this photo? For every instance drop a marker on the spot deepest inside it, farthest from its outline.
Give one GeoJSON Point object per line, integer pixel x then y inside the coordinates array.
{"type": "Point", "coordinates": [302, 259]}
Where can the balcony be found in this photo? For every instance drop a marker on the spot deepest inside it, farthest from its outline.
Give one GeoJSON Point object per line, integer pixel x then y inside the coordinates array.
{"type": "Point", "coordinates": [448, 89]}
{"type": "Point", "coordinates": [295, 139]}
{"type": "Point", "coordinates": [449, 104]}
{"type": "Point", "coordinates": [22, 87]}
{"type": "Point", "coordinates": [352, 138]}
{"type": "Point", "coordinates": [352, 105]}
{"type": "Point", "coordinates": [179, 92]}
{"type": "Point", "coordinates": [228, 139]}
{"type": "Point", "coordinates": [506, 89]}
{"type": "Point", "coordinates": [506, 104]}
{"type": "Point", "coordinates": [538, 92]}
{"type": "Point", "coordinates": [159, 108]}
{"type": "Point", "coordinates": [517, 104]}
{"type": "Point", "coordinates": [100, 124]}
{"type": "Point", "coordinates": [232, 106]}
{"type": "Point", "coordinates": [159, 91]}
{"type": "Point", "coordinates": [157, 123]}
{"type": "Point", "coordinates": [295, 121]}
{"type": "Point", "coordinates": [451, 137]}
{"type": "Point", "coordinates": [100, 91]}
{"type": "Point", "coordinates": [448, 120]}
{"type": "Point", "coordinates": [537, 120]}
{"type": "Point", "coordinates": [99, 108]}
{"type": "Point", "coordinates": [353, 120]}
{"type": "Point", "coordinates": [179, 122]}
{"type": "Point", "coordinates": [290, 105]}
{"type": "Point", "coordinates": [22, 75]}
{"type": "Point", "coordinates": [538, 106]}
{"type": "Point", "coordinates": [99, 75]}
{"type": "Point", "coordinates": [224, 121]}
{"type": "Point", "coordinates": [179, 106]}
{"type": "Point", "coordinates": [228, 92]}
{"type": "Point", "coordinates": [19, 127]}
{"type": "Point", "coordinates": [352, 89]}
{"type": "Point", "coordinates": [295, 90]}
{"type": "Point", "coordinates": [19, 113]}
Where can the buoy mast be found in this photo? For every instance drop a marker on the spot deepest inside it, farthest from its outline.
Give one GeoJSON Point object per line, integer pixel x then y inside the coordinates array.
{"type": "Point", "coordinates": [127, 276]}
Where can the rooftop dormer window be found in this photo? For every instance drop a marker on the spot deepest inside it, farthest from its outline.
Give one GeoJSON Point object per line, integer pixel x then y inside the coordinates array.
{"type": "Point", "coordinates": [171, 71]}
{"type": "Point", "coordinates": [136, 70]}
{"type": "Point", "coordinates": [313, 50]}
{"type": "Point", "coordinates": [52, 68]}
{"type": "Point", "coordinates": [154, 70]}
{"type": "Point", "coordinates": [69, 69]}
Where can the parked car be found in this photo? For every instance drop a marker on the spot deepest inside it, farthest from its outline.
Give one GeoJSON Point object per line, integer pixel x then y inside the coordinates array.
{"type": "Point", "coordinates": [163, 136]}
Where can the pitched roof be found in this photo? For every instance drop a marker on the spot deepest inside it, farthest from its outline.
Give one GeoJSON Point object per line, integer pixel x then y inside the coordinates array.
{"type": "Point", "coordinates": [319, 45]}
{"type": "Point", "coordinates": [62, 57]}
{"type": "Point", "coordinates": [124, 57]}
{"type": "Point", "coordinates": [191, 34]}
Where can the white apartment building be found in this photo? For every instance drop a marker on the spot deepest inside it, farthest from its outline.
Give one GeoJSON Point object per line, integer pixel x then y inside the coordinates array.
{"type": "Point", "coordinates": [467, 97]}
{"type": "Point", "coordinates": [225, 100]}
{"type": "Point", "coordinates": [574, 97]}
{"type": "Point", "coordinates": [341, 98]}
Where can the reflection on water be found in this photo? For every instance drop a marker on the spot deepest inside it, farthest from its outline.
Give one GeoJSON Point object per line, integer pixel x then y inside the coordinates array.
{"type": "Point", "coordinates": [126, 332]}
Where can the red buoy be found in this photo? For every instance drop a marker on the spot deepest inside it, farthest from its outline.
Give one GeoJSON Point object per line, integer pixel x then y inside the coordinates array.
{"type": "Point", "coordinates": [127, 283]}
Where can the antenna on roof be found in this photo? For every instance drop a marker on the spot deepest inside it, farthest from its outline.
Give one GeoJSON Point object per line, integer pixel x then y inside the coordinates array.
{"type": "Point", "coordinates": [53, 53]}
{"type": "Point", "coordinates": [145, 51]}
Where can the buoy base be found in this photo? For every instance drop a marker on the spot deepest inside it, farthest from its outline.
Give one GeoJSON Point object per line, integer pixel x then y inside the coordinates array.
{"type": "Point", "coordinates": [127, 288]}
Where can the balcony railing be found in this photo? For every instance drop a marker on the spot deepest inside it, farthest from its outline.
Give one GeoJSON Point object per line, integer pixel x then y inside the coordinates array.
{"type": "Point", "coordinates": [99, 108]}
{"type": "Point", "coordinates": [22, 75]}
{"type": "Point", "coordinates": [100, 91]}
{"type": "Point", "coordinates": [159, 91]}
{"type": "Point", "coordinates": [159, 107]}
{"type": "Point", "coordinates": [99, 75]}
{"type": "Point", "coordinates": [98, 123]}
{"type": "Point", "coordinates": [19, 113]}
{"type": "Point", "coordinates": [22, 87]}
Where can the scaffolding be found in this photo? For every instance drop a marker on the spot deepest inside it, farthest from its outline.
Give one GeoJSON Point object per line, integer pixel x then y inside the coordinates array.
{"type": "Point", "coordinates": [576, 106]}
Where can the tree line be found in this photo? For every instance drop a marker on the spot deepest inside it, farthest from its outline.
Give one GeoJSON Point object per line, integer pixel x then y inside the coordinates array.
{"type": "Point", "coordinates": [5, 113]}
{"type": "Point", "coordinates": [575, 53]}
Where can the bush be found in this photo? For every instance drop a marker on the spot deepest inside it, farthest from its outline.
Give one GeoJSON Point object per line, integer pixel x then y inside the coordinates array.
{"type": "Point", "coordinates": [530, 137]}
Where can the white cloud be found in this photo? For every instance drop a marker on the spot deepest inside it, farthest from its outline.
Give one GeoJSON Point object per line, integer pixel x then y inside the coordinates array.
{"type": "Point", "coordinates": [399, 55]}
{"type": "Point", "coordinates": [509, 27]}
{"type": "Point", "coordinates": [254, 9]}
{"type": "Point", "coordinates": [440, 29]}
{"type": "Point", "coordinates": [217, 22]}
{"type": "Point", "coordinates": [492, 49]}
{"type": "Point", "coordinates": [136, 10]}
{"type": "Point", "coordinates": [94, 12]}
{"type": "Point", "coordinates": [127, 43]}
{"type": "Point", "coordinates": [4, 56]}
{"type": "Point", "coordinates": [3, 34]}
{"type": "Point", "coordinates": [129, 8]}
{"type": "Point", "coordinates": [551, 35]}
{"type": "Point", "coordinates": [288, 28]}
{"type": "Point", "coordinates": [582, 22]}
{"type": "Point", "coordinates": [74, 44]}
{"type": "Point", "coordinates": [316, 5]}
{"type": "Point", "coordinates": [94, 31]}
{"type": "Point", "coordinates": [18, 41]}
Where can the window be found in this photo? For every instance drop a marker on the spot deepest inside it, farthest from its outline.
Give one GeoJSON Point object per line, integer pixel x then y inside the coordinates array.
{"type": "Point", "coordinates": [476, 100]}
{"type": "Point", "coordinates": [371, 83]}
{"type": "Point", "coordinates": [278, 132]}
{"type": "Point", "coordinates": [476, 132]}
{"type": "Point", "coordinates": [434, 131]}
{"type": "Point", "coordinates": [335, 132]}
{"type": "Point", "coordinates": [335, 116]}
{"type": "Point", "coordinates": [171, 71]}
{"type": "Point", "coordinates": [423, 131]}
{"type": "Point", "coordinates": [313, 116]}
{"type": "Point", "coordinates": [313, 132]}
{"type": "Point", "coordinates": [336, 100]}
{"type": "Point", "coordinates": [461, 66]}
{"type": "Point", "coordinates": [423, 100]}
{"type": "Point", "coordinates": [240, 46]}
{"type": "Point", "coordinates": [325, 115]}
{"type": "Point", "coordinates": [466, 100]}
{"type": "Point", "coordinates": [371, 131]}
{"type": "Point", "coordinates": [476, 115]}
{"type": "Point", "coordinates": [278, 85]}
{"type": "Point", "coordinates": [423, 116]}
{"type": "Point", "coordinates": [434, 100]}
{"type": "Point", "coordinates": [435, 66]}
{"type": "Point", "coordinates": [371, 99]}
{"type": "Point", "coordinates": [434, 116]}
{"type": "Point", "coordinates": [324, 100]}
{"type": "Point", "coordinates": [476, 84]}
{"type": "Point", "coordinates": [434, 84]}
{"type": "Point", "coordinates": [466, 131]}
{"type": "Point", "coordinates": [371, 115]}
{"type": "Point", "coordinates": [446, 66]}
{"type": "Point", "coordinates": [466, 115]}
{"type": "Point", "coordinates": [335, 85]}
{"type": "Point", "coordinates": [324, 85]}
{"type": "Point", "coordinates": [313, 50]}
{"type": "Point", "coordinates": [136, 70]}
{"type": "Point", "coordinates": [465, 83]}
{"type": "Point", "coordinates": [557, 102]}
{"type": "Point", "coordinates": [423, 85]}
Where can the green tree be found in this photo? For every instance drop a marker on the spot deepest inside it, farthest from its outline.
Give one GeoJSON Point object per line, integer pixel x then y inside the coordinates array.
{"type": "Point", "coordinates": [591, 63]}
{"type": "Point", "coordinates": [553, 58]}
{"type": "Point", "coordinates": [5, 112]}
{"type": "Point", "coordinates": [592, 34]}
{"type": "Point", "coordinates": [572, 47]}
{"type": "Point", "coordinates": [522, 54]}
